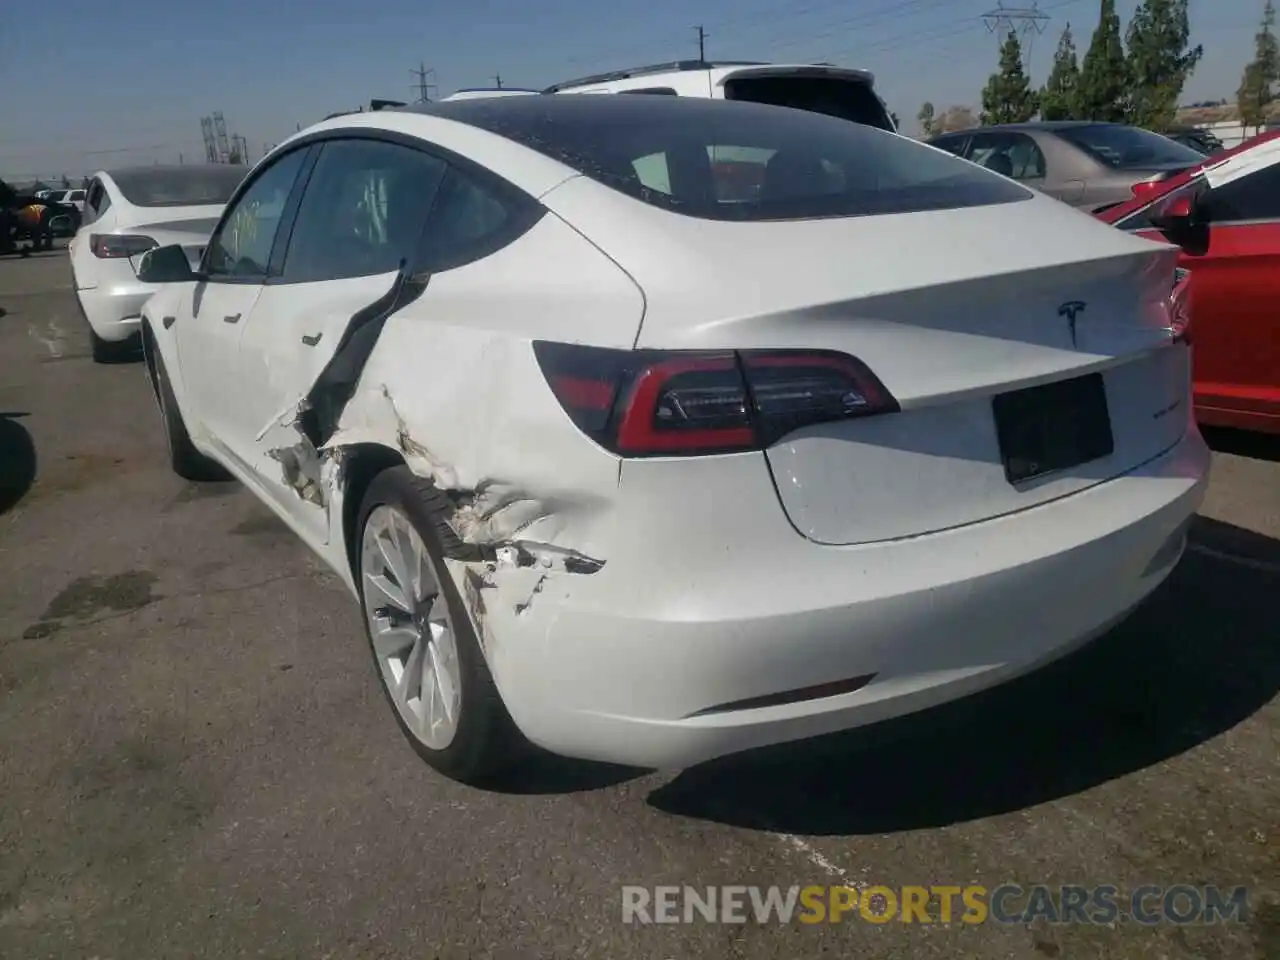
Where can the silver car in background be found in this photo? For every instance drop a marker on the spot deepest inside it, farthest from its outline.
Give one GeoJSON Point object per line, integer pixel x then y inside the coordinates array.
{"type": "Point", "coordinates": [1085, 164]}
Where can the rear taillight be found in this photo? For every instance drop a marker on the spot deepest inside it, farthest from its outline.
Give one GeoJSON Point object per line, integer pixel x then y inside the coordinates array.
{"type": "Point", "coordinates": [681, 403]}
{"type": "Point", "coordinates": [111, 246]}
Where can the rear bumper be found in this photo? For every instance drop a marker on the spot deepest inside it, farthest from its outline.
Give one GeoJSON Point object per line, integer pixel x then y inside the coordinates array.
{"type": "Point", "coordinates": [628, 665]}
{"type": "Point", "coordinates": [114, 310]}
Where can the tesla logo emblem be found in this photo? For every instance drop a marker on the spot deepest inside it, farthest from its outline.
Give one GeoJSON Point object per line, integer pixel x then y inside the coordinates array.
{"type": "Point", "coordinates": [1071, 310]}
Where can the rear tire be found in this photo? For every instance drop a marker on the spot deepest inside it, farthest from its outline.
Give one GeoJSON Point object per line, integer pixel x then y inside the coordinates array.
{"type": "Point", "coordinates": [399, 514]}
{"type": "Point", "coordinates": [186, 461]}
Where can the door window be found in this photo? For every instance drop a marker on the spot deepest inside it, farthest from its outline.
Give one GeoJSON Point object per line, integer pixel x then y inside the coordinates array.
{"type": "Point", "coordinates": [241, 249]}
{"type": "Point", "coordinates": [473, 217]}
{"type": "Point", "coordinates": [97, 202]}
{"type": "Point", "coordinates": [1255, 197]}
{"type": "Point", "coordinates": [954, 144]}
{"type": "Point", "coordinates": [1013, 155]}
{"type": "Point", "coordinates": [363, 210]}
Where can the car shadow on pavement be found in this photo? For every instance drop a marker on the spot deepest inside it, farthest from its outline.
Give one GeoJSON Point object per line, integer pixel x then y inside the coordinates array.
{"type": "Point", "coordinates": [540, 772]}
{"type": "Point", "coordinates": [1190, 664]}
{"type": "Point", "coordinates": [1243, 443]}
{"type": "Point", "coordinates": [17, 460]}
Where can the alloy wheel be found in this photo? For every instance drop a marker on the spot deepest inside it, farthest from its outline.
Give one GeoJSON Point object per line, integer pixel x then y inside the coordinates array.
{"type": "Point", "coordinates": [410, 628]}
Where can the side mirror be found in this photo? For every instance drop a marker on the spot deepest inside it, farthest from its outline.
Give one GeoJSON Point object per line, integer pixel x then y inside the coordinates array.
{"type": "Point", "coordinates": [1183, 223]}
{"type": "Point", "coordinates": [165, 265]}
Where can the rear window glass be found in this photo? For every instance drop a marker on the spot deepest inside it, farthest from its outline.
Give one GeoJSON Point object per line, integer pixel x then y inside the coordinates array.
{"type": "Point", "coordinates": [180, 187]}
{"type": "Point", "coordinates": [740, 161]}
{"type": "Point", "coordinates": [835, 97]}
{"type": "Point", "coordinates": [1120, 146]}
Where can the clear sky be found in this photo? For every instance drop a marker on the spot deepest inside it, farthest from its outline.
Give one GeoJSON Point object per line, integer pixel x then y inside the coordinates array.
{"type": "Point", "coordinates": [91, 85]}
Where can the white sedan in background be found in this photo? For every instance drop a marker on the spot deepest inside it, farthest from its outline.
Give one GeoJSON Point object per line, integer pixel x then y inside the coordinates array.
{"type": "Point", "coordinates": [126, 213]}
{"type": "Point", "coordinates": [651, 473]}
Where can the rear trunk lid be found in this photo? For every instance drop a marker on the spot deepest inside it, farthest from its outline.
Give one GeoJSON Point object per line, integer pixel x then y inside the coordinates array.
{"type": "Point", "coordinates": [189, 227]}
{"type": "Point", "coordinates": [950, 309]}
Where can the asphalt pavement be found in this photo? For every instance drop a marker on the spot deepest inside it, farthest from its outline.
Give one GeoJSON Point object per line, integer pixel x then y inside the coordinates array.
{"type": "Point", "coordinates": [195, 760]}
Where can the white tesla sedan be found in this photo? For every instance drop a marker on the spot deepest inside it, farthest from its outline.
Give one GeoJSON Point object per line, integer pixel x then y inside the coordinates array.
{"type": "Point", "coordinates": [126, 213]}
{"type": "Point", "coordinates": [650, 467]}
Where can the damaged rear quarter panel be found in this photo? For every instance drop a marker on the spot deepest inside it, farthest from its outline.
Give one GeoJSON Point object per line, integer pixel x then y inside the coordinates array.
{"type": "Point", "coordinates": [453, 385]}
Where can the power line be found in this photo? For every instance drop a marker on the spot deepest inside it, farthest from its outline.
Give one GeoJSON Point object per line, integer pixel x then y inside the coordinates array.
{"type": "Point", "coordinates": [837, 27]}
{"type": "Point", "coordinates": [1026, 23]}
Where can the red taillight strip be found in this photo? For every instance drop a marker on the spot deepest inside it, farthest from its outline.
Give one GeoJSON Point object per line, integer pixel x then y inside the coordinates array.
{"type": "Point", "coordinates": [636, 432]}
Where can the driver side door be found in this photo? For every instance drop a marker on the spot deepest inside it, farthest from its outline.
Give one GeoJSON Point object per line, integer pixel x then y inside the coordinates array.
{"type": "Point", "coordinates": [217, 306]}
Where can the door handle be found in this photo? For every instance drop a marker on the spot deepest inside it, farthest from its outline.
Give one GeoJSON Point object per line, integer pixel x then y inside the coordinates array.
{"type": "Point", "coordinates": [234, 318]}
{"type": "Point", "coordinates": [312, 340]}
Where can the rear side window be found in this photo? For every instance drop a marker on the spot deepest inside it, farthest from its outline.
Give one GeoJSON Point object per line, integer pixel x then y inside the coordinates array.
{"type": "Point", "coordinates": [363, 210]}
{"type": "Point", "coordinates": [1121, 147]}
{"type": "Point", "coordinates": [739, 161]}
{"type": "Point", "coordinates": [474, 216]}
{"type": "Point", "coordinates": [1254, 197]}
{"type": "Point", "coordinates": [97, 202]}
{"type": "Point", "coordinates": [833, 96]}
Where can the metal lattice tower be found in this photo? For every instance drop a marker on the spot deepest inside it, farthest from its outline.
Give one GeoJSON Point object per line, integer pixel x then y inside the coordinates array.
{"type": "Point", "coordinates": [210, 144]}
{"type": "Point", "coordinates": [220, 129]}
{"type": "Point", "coordinates": [1027, 22]}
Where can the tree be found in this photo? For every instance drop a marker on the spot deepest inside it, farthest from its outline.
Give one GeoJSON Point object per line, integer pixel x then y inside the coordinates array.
{"type": "Point", "coordinates": [1008, 97]}
{"type": "Point", "coordinates": [1102, 90]}
{"type": "Point", "coordinates": [1257, 85]}
{"type": "Point", "coordinates": [1058, 98]}
{"type": "Point", "coordinates": [1159, 61]}
{"type": "Point", "coordinates": [955, 118]}
{"type": "Point", "coordinates": [926, 119]}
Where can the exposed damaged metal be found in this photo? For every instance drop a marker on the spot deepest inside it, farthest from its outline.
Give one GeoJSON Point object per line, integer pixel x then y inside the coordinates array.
{"type": "Point", "coordinates": [489, 517]}
{"type": "Point", "coordinates": [322, 407]}
{"type": "Point", "coordinates": [302, 471]}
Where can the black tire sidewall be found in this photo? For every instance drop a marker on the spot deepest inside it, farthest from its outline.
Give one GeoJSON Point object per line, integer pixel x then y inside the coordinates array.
{"type": "Point", "coordinates": [483, 738]}
{"type": "Point", "coordinates": [186, 461]}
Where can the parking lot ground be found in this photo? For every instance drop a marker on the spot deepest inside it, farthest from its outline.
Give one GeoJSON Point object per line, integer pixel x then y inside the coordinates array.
{"type": "Point", "coordinates": [195, 760]}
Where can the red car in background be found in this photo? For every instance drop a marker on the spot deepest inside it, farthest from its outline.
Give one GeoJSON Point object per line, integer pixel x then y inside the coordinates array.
{"type": "Point", "coordinates": [1225, 214]}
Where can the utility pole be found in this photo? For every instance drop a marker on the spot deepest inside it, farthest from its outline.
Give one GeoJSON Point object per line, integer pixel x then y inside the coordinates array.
{"type": "Point", "coordinates": [702, 43]}
{"type": "Point", "coordinates": [423, 88]}
{"type": "Point", "coordinates": [497, 78]}
{"type": "Point", "coordinates": [1027, 22]}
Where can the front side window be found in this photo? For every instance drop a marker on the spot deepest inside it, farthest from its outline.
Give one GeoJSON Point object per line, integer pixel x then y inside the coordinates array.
{"type": "Point", "coordinates": [806, 165]}
{"type": "Point", "coordinates": [363, 211]}
{"type": "Point", "coordinates": [1012, 155]}
{"type": "Point", "coordinates": [241, 248]}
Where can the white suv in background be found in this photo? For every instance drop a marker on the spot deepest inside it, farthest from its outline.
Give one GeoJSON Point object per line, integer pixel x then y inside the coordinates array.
{"type": "Point", "coordinates": [822, 88]}
{"type": "Point", "coordinates": [128, 212]}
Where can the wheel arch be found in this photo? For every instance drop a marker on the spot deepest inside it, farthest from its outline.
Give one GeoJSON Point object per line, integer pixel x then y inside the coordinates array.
{"type": "Point", "coordinates": [363, 462]}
